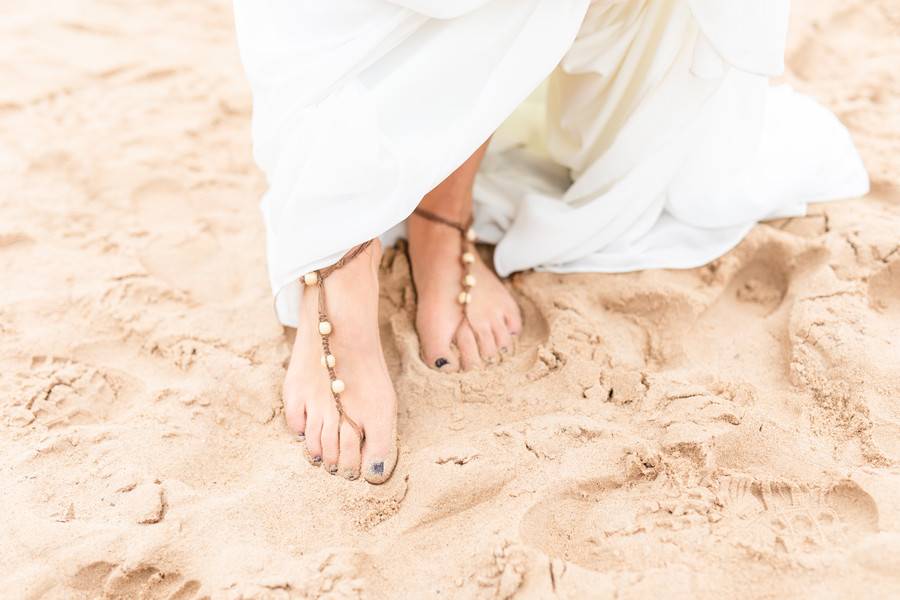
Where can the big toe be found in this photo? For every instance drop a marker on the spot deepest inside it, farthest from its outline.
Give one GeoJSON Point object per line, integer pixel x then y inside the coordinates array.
{"type": "Point", "coordinates": [379, 455]}
{"type": "Point", "coordinates": [437, 351]}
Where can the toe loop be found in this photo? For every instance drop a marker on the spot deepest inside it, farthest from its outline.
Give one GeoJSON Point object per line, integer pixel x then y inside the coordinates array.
{"type": "Point", "coordinates": [359, 431]}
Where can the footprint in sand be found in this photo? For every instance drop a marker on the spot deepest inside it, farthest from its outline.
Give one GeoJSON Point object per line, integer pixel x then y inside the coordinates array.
{"type": "Point", "coordinates": [737, 310]}
{"type": "Point", "coordinates": [103, 579]}
{"type": "Point", "coordinates": [746, 328]}
{"type": "Point", "coordinates": [794, 518]}
{"type": "Point", "coordinates": [59, 392]}
{"type": "Point", "coordinates": [841, 340]}
{"type": "Point", "coordinates": [606, 525]}
{"type": "Point", "coordinates": [884, 288]}
{"type": "Point", "coordinates": [884, 297]}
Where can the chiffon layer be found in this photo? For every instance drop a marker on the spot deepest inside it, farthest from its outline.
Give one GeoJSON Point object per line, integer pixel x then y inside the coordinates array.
{"type": "Point", "coordinates": [630, 134]}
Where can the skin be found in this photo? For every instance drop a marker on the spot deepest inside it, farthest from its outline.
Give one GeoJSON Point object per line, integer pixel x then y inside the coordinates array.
{"type": "Point", "coordinates": [434, 249]}
{"type": "Point", "coordinates": [448, 342]}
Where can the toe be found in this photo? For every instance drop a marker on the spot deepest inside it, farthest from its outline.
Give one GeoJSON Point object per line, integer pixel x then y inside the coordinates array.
{"type": "Point", "coordinates": [468, 347]}
{"type": "Point", "coordinates": [314, 439]}
{"type": "Point", "coordinates": [436, 337]}
{"type": "Point", "coordinates": [513, 318]}
{"type": "Point", "coordinates": [350, 452]}
{"type": "Point", "coordinates": [487, 346]}
{"type": "Point", "coordinates": [295, 412]}
{"type": "Point", "coordinates": [502, 337]}
{"type": "Point", "coordinates": [379, 453]}
{"type": "Point", "coordinates": [330, 442]}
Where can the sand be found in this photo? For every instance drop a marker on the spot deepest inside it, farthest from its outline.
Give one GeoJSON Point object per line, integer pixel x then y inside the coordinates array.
{"type": "Point", "coordinates": [729, 431]}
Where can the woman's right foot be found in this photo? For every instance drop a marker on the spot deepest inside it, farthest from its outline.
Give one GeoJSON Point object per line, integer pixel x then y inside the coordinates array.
{"type": "Point", "coordinates": [369, 398]}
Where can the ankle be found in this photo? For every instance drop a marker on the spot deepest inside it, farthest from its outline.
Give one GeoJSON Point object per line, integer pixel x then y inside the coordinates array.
{"type": "Point", "coordinates": [453, 203]}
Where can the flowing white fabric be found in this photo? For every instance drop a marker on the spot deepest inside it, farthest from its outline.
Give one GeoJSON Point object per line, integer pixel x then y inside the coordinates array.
{"type": "Point", "coordinates": [656, 141]}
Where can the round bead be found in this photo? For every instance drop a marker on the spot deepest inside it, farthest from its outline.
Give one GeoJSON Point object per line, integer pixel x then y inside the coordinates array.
{"type": "Point", "coordinates": [468, 258]}
{"type": "Point", "coordinates": [324, 327]}
{"type": "Point", "coordinates": [470, 235]}
{"type": "Point", "coordinates": [469, 280]}
{"type": "Point", "coordinates": [337, 386]}
{"type": "Point", "coordinates": [311, 278]}
{"type": "Point", "coordinates": [328, 360]}
{"type": "Point", "coordinates": [465, 297]}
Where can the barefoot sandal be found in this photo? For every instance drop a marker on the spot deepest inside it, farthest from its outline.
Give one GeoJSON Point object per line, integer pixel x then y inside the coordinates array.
{"type": "Point", "coordinates": [316, 279]}
{"type": "Point", "coordinates": [467, 253]}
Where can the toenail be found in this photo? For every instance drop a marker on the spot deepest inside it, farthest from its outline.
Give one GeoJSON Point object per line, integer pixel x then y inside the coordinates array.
{"type": "Point", "coordinates": [332, 469]}
{"type": "Point", "coordinates": [441, 362]}
{"type": "Point", "coordinates": [317, 460]}
{"type": "Point", "coordinates": [377, 468]}
{"type": "Point", "coordinates": [301, 437]}
{"type": "Point", "coordinates": [504, 350]}
{"type": "Point", "coordinates": [350, 475]}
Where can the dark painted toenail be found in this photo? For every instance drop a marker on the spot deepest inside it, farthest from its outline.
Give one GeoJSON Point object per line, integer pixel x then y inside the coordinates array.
{"type": "Point", "coordinates": [441, 362]}
{"type": "Point", "coordinates": [301, 437]}
{"type": "Point", "coordinates": [317, 460]}
{"type": "Point", "coordinates": [332, 469]}
{"type": "Point", "coordinates": [377, 468]}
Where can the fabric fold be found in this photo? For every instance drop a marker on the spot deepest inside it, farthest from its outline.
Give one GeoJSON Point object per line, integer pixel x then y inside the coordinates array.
{"type": "Point", "coordinates": [655, 141]}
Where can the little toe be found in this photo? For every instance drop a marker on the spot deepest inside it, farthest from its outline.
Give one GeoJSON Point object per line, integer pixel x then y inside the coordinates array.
{"type": "Point", "coordinates": [295, 413]}
{"type": "Point", "coordinates": [468, 347]}
{"type": "Point", "coordinates": [350, 452]}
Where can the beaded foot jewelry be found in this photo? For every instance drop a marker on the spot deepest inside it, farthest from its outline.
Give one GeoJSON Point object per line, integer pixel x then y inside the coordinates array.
{"type": "Point", "coordinates": [467, 253]}
{"type": "Point", "coordinates": [317, 279]}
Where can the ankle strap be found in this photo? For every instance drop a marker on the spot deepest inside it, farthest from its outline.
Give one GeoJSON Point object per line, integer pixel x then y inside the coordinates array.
{"type": "Point", "coordinates": [353, 253]}
{"type": "Point", "coordinates": [436, 218]}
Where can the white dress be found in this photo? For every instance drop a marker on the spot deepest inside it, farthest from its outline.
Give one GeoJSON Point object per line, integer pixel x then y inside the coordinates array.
{"type": "Point", "coordinates": [630, 134]}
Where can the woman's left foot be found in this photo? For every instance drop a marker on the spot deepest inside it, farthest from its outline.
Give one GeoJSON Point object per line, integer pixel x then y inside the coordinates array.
{"type": "Point", "coordinates": [494, 318]}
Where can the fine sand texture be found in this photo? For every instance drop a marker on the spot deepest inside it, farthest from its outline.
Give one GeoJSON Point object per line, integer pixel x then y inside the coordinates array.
{"type": "Point", "coordinates": [731, 431]}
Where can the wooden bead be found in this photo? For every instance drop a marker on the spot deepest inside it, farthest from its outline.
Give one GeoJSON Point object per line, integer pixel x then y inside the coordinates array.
{"type": "Point", "coordinates": [311, 278]}
{"type": "Point", "coordinates": [470, 235]}
{"type": "Point", "coordinates": [464, 297]}
{"type": "Point", "coordinates": [468, 258]}
{"type": "Point", "coordinates": [337, 386]}
{"type": "Point", "coordinates": [324, 327]}
{"type": "Point", "coordinates": [328, 360]}
{"type": "Point", "coordinates": [469, 280]}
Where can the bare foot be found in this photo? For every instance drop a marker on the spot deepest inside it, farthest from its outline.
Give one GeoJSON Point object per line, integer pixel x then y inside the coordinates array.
{"type": "Point", "coordinates": [369, 398]}
{"type": "Point", "coordinates": [494, 318]}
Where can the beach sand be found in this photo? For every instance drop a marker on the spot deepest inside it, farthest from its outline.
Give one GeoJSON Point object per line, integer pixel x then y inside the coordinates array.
{"type": "Point", "coordinates": [731, 431]}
